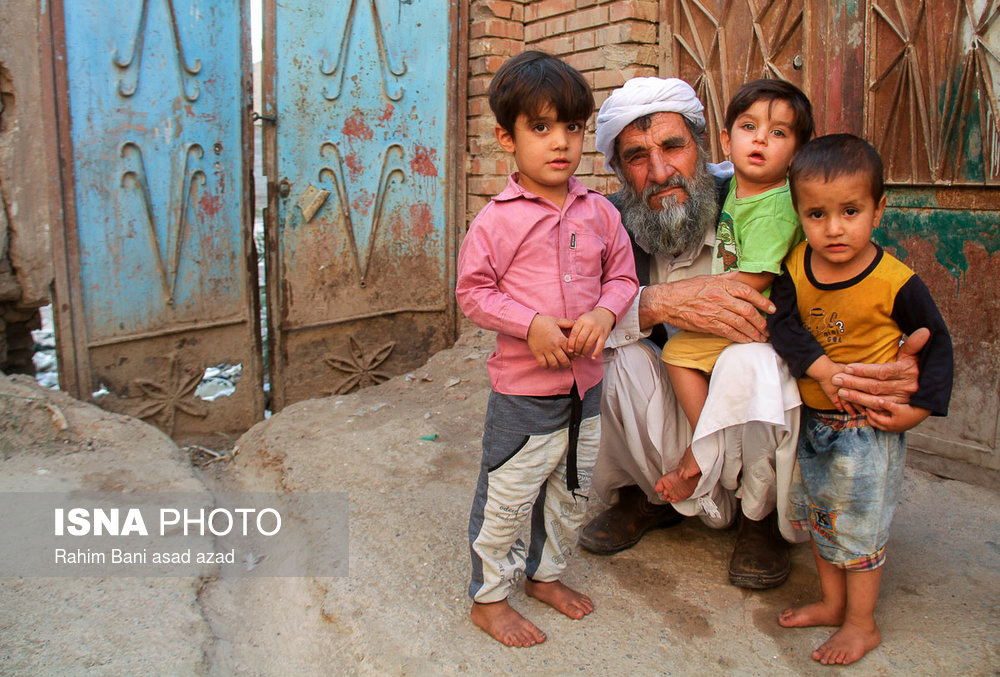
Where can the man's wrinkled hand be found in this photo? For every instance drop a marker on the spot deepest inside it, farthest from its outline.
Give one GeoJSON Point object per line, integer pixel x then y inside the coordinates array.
{"type": "Point", "coordinates": [876, 386]}
{"type": "Point", "coordinates": [713, 304]}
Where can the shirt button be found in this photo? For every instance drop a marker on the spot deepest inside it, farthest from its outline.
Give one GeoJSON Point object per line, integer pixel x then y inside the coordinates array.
{"type": "Point", "coordinates": [567, 278]}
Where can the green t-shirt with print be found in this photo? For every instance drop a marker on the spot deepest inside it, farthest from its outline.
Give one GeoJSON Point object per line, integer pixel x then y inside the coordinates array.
{"type": "Point", "coordinates": [756, 233]}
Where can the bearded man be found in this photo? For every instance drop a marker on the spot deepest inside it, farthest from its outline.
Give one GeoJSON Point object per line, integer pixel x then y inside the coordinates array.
{"type": "Point", "coordinates": [651, 132]}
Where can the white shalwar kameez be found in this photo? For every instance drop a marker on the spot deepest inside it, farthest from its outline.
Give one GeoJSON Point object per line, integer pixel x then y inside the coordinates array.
{"type": "Point", "coordinates": [746, 436]}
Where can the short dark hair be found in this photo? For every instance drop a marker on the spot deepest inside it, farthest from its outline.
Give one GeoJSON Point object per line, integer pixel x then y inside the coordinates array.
{"type": "Point", "coordinates": [834, 155]}
{"type": "Point", "coordinates": [531, 80]}
{"type": "Point", "coordinates": [768, 90]}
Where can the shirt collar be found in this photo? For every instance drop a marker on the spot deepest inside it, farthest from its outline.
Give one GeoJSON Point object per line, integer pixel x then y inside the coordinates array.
{"type": "Point", "coordinates": [514, 190]}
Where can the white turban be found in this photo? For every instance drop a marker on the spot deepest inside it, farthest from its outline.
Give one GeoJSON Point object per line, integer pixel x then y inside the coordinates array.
{"type": "Point", "coordinates": [643, 96]}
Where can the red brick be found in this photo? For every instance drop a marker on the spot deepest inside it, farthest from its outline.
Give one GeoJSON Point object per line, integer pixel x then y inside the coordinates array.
{"type": "Point", "coordinates": [586, 19]}
{"type": "Point", "coordinates": [616, 78]}
{"type": "Point", "coordinates": [479, 84]}
{"type": "Point", "coordinates": [478, 106]}
{"type": "Point", "coordinates": [474, 203]}
{"type": "Point", "coordinates": [486, 65]}
{"type": "Point", "coordinates": [634, 9]}
{"type": "Point", "coordinates": [501, 9]}
{"type": "Point", "coordinates": [488, 166]}
{"type": "Point", "coordinates": [589, 181]}
{"type": "Point", "coordinates": [541, 29]}
{"type": "Point", "coordinates": [558, 45]}
{"type": "Point", "coordinates": [647, 55]}
{"type": "Point", "coordinates": [486, 185]}
{"type": "Point", "coordinates": [496, 28]}
{"type": "Point", "coordinates": [482, 126]}
{"type": "Point", "coordinates": [629, 31]}
{"type": "Point", "coordinates": [584, 40]}
{"type": "Point", "coordinates": [585, 61]}
{"type": "Point", "coordinates": [586, 166]}
{"type": "Point", "coordinates": [487, 46]}
{"type": "Point", "coordinates": [547, 8]}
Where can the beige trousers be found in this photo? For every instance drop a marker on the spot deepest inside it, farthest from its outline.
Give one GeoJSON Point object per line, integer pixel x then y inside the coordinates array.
{"type": "Point", "coordinates": [744, 443]}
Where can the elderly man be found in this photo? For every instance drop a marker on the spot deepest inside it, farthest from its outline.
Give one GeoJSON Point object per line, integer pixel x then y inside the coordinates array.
{"type": "Point", "coordinates": [651, 132]}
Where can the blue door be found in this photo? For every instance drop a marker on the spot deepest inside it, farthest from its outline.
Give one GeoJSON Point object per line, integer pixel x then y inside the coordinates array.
{"type": "Point", "coordinates": [159, 277]}
{"type": "Point", "coordinates": [360, 138]}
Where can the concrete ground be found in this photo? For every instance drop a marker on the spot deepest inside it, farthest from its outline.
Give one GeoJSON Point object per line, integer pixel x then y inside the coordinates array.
{"type": "Point", "coordinates": [664, 607]}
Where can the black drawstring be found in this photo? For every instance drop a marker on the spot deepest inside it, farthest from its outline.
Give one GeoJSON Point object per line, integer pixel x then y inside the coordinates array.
{"type": "Point", "coordinates": [575, 416]}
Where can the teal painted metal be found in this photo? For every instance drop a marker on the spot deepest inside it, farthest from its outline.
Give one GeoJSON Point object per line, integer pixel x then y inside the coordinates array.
{"type": "Point", "coordinates": [363, 99]}
{"type": "Point", "coordinates": [915, 214]}
{"type": "Point", "coordinates": [159, 277]}
{"type": "Point", "coordinates": [155, 92]}
{"type": "Point", "coordinates": [362, 94]}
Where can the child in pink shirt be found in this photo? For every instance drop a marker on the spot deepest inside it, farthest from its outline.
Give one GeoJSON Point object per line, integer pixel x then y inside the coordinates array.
{"type": "Point", "coordinates": [548, 266]}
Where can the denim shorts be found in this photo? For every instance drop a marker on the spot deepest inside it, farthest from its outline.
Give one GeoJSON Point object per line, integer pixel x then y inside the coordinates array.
{"type": "Point", "coordinates": [846, 487]}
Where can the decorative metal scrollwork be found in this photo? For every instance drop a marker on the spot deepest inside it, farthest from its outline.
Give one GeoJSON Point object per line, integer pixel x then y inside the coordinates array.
{"type": "Point", "coordinates": [360, 366]}
{"type": "Point", "coordinates": [186, 71]}
{"type": "Point", "coordinates": [337, 70]}
{"type": "Point", "coordinates": [162, 400]}
{"type": "Point", "coordinates": [928, 109]}
{"type": "Point", "coordinates": [177, 227]}
{"type": "Point", "coordinates": [337, 176]}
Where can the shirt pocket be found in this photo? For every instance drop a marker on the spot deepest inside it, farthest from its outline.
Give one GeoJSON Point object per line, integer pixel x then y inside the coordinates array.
{"type": "Point", "coordinates": [586, 254]}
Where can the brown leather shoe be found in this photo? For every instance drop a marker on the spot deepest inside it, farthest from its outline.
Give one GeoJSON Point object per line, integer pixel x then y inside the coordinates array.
{"type": "Point", "coordinates": [760, 559]}
{"type": "Point", "coordinates": [622, 525]}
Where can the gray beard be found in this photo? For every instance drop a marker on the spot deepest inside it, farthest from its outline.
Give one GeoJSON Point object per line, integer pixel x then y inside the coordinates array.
{"type": "Point", "coordinates": [676, 227]}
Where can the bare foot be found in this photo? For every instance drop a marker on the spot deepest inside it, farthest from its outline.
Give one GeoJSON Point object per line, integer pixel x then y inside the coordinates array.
{"type": "Point", "coordinates": [560, 597]}
{"type": "Point", "coordinates": [817, 613]}
{"type": "Point", "coordinates": [505, 625]}
{"type": "Point", "coordinates": [674, 486]}
{"type": "Point", "coordinates": [848, 644]}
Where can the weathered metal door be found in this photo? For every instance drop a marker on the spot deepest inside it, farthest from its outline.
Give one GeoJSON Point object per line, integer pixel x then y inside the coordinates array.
{"type": "Point", "coordinates": [361, 110]}
{"type": "Point", "coordinates": [920, 80]}
{"type": "Point", "coordinates": [931, 108]}
{"type": "Point", "coordinates": [158, 281]}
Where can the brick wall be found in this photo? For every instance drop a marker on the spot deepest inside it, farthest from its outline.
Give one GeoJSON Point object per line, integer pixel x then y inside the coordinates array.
{"type": "Point", "coordinates": [608, 41]}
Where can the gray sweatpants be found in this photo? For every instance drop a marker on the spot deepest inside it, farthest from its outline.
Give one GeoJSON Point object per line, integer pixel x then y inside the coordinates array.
{"type": "Point", "coordinates": [524, 475]}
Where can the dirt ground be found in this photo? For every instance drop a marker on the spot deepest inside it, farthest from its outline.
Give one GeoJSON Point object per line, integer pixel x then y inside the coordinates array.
{"type": "Point", "coordinates": [407, 452]}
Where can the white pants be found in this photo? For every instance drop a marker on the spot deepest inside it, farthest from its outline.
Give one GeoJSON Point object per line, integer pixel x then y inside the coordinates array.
{"type": "Point", "coordinates": [744, 443]}
{"type": "Point", "coordinates": [522, 495]}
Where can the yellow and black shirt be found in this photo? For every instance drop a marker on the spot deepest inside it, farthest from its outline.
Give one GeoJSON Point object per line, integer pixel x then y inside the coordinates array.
{"type": "Point", "coordinates": [858, 320]}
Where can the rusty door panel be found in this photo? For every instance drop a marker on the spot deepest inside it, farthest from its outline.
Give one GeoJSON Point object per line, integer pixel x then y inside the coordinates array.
{"type": "Point", "coordinates": [359, 167]}
{"type": "Point", "coordinates": [933, 99]}
{"type": "Point", "coordinates": [718, 45]}
{"type": "Point", "coordinates": [920, 80]}
{"type": "Point", "coordinates": [932, 109]}
{"type": "Point", "coordinates": [159, 271]}
{"type": "Point", "coordinates": [951, 237]}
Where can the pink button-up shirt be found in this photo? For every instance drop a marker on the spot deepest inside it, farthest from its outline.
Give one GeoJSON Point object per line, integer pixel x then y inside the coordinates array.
{"type": "Point", "coordinates": [522, 256]}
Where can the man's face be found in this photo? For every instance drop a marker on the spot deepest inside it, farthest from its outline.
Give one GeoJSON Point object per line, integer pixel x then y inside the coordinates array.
{"type": "Point", "coordinates": [650, 159]}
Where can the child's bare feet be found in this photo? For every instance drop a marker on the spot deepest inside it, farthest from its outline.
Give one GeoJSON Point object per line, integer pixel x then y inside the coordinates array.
{"type": "Point", "coordinates": [675, 487]}
{"type": "Point", "coordinates": [848, 644]}
{"type": "Point", "coordinates": [680, 483]}
{"type": "Point", "coordinates": [505, 625]}
{"type": "Point", "coordinates": [817, 613]}
{"type": "Point", "coordinates": [560, 597]}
